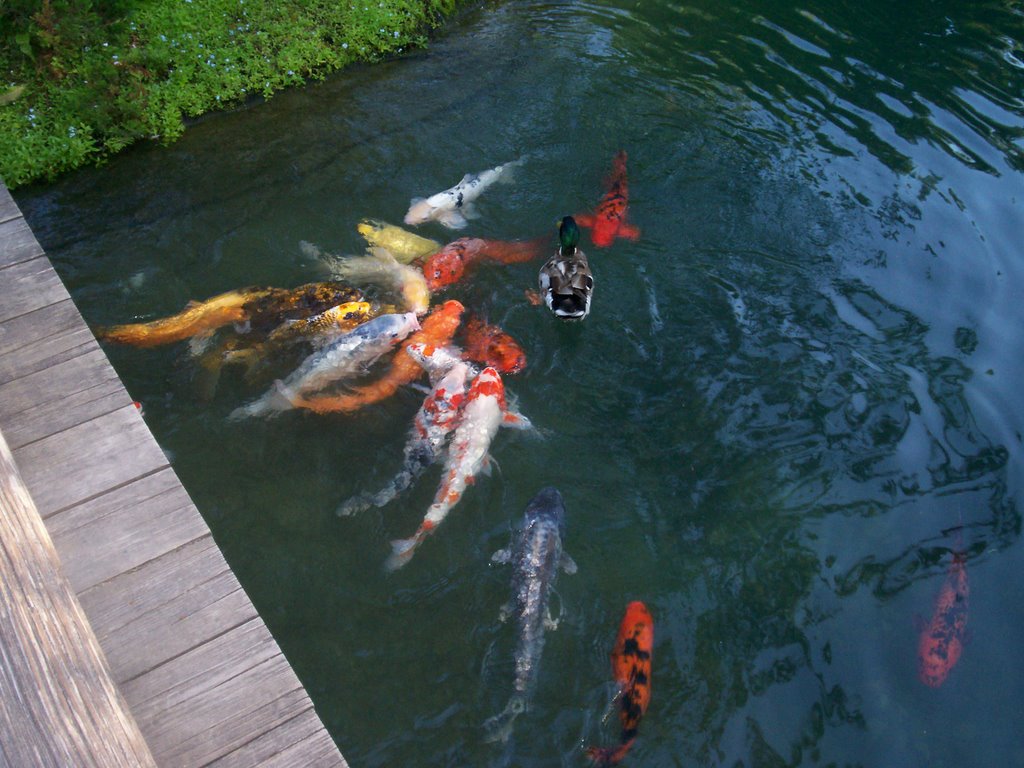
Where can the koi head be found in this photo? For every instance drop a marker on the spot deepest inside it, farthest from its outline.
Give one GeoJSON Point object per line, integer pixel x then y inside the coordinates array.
{"type": "Point", "coordinates": [448, 265]}
{"type": "Point", "coordinates": [487, 384]}
{"type": "Point", "coordinates": [489, 345]}
{"type": "Point", "coordinates": [420, 211]}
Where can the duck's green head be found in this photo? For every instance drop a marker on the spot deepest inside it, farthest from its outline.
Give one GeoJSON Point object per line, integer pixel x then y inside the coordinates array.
{"type": "Point", "coordinates": [568, 235]}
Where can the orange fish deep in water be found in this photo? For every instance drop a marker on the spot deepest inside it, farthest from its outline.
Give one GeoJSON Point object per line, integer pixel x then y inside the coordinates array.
{"type": "Point", "coordinates": [942, 638]}
{"type": "Point", "coordinates": [631, 666]}
{"type": "Point", "coordinates": [489, 345]}
{"type": "Point", "coordinates": [437, 329]}
{"type": "Point", "coordinates": [449, 265]}
{"type": "Point", "coordinates": [609, 219]}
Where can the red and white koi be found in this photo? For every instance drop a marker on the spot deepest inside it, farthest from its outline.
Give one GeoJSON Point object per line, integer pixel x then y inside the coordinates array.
{"type": "Point", "coordinates": [483, 412]}
{"type": "Point", "coordinates": [434, 421]}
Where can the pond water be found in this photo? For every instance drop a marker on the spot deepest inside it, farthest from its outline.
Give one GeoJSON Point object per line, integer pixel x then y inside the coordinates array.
{"type": "Point", "coordinates": [789, 395]}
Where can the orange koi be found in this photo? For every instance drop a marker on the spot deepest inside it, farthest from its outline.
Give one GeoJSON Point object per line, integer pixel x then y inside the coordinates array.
{"type": "Point", "coordinates": [437, 329]}
{"type": "Point", "coordinates": [197, 317]}
{"type": "Point", "coordinates": [449, 265]}
{"type": "Point", "coordinates": [490, 345]}
{"type": "Point", "coordinates": [631, 666]}
{"type": "Point", "coordinates": [942, 639]}
{"type": "Point", "coordinates": [609, 219]}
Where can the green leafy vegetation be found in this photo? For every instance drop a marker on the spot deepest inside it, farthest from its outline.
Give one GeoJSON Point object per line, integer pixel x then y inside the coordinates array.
{"type": "Point", "coordinates": [80, 79]}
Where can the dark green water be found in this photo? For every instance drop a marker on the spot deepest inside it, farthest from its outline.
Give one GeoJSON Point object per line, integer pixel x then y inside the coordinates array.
{"type": "Point", "coordinates": [787, 395]}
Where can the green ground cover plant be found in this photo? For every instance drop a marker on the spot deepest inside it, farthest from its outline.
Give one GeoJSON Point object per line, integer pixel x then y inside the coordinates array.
{"type": "Point", "coordinates": [81, 79]}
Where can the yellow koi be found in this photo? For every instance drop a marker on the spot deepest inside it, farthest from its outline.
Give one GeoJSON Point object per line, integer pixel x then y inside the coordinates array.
{"type": "Point", "coordinates": [406, 246]}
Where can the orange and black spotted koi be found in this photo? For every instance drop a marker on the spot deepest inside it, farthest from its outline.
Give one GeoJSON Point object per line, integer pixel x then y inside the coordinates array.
{"type": "Point", "coordinates": [450, 264]}
{"type": "Point", "coordinates": [942, 639]}
{"type": "Point", "coordinates": [609, 219]}
{"type": "Point", "coordinates": [631, 666]}
{"type": "Point", "coordinates": [489, 345]}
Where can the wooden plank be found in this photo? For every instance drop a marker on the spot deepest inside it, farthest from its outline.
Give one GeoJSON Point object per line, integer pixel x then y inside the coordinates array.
{"type": "Point", "coordinates": [302, 741]}
{"type": "Point", "coordinates": [49, 401]}
{"type": "Point", "coordinates": [58, 704]}
{"type": "Point", "coordinates": [89, 459]}
{"type": "Point", "coordinates": [42, 339]}
{"type": "Point", "coordinates": [122, 530]}
{"type": "Point", "coordinates": [142, 624]}
{"type": "Point", "coordinates": [17, 243]}
{"type": "Point", "coordinates": [214, 699]}
{"type": "Point", "coordinates": [29, 286]}
{"type": "Point", "coordinates": [8, 208]}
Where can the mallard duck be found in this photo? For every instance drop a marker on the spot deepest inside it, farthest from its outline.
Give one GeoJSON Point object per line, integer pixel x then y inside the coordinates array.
{"type": "Point", "coordinates": [565, 279]}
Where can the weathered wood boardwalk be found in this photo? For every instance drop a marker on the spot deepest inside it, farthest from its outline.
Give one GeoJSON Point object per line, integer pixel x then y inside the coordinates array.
{"type": "Point", "coordinates": [199, 671]}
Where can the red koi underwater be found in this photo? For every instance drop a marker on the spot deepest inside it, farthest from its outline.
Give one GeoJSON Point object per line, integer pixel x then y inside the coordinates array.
{"type": "Point", "coordinates": [631, 665]}
{"type": "Point", "coordinates": [489, 345]}
{"type": "Point", "coordinates": [609, 219]}
{"type": "Point", "coordinates": [942, 639]}
{"type": "Point", "coordinates": [448, 265]}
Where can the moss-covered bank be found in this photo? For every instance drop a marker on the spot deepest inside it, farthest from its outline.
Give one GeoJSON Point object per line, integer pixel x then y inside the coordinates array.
{"type": "Point", "coordinates": [80, 79]}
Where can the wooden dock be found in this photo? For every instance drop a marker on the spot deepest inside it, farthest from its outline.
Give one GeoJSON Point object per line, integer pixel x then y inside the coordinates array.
{"type": "Point", "coordinates": [196, 667]}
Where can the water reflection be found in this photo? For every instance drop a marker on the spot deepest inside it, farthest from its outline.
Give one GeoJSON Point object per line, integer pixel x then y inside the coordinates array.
{"type": "Point", "coordinates": [788, 396]}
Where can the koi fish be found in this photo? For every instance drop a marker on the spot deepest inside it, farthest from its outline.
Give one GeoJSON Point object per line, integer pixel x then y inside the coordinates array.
{"type": "Point", "coordinates": [438, 329]}
{"type": "Point", "coordinates": [346, 357]}
{"type": "Point", "coordinates": [631, 667]}
{"type": "Point", "coordinates": [323, 326]}
{"type": "Point", "coordinates": [379, 267]}
{"type": "Point", "coordinates": [609, 219]}
{"type": "Point", "coordinates": [404, 245]}
{"type": "Point", "coordinates": [489, 345]}
{"type": "Point", "coordinates": [942, 639]}
{"type": "Point", "coordinates": [452, 206]}
{"type": "Point", "coordinates": [266, 313]}
{"type": "Point", "coordinates": [434, 421]}
{"type": "Point", "coordinates": [483, 411]}
{"type": "Point", "coordinates": [197, 317]}
{"type": "Point", "coordinates": [449, 265]}
{"type": "Point", "coordinates": [536, 555]}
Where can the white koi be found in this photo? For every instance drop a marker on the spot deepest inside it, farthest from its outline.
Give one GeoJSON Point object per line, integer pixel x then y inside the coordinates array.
{"type": "Point", "coordinates": [347, 356]}
{"type": "Point", "coordinates": [454, 205]}
{"type": "Point", "coordinates": [379, 267]}
{"type": "Point", "coordinates": [483, 412]}
{"type": "Point", "coordinates": [436, 418]}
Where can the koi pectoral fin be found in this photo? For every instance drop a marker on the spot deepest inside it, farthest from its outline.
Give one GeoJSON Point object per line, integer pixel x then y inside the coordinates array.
{"type": "Point", "coordinates": [629, 232]}
{"type": "Point", "coordinates": [452, 219]}
{"type": "Point", "coordinates": [515, 420]}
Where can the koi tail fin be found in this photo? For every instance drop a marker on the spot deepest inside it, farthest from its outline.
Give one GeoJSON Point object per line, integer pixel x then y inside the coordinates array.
{"type": "Point", "coordinates": [358, 503]}
{"type": "Point", "coordinates": [402, 550]}
{"type": "Point", "coordinates": [604, 756]}
{"type": "Point", "coordinates": [499, 727]}
{"type": "Point", "coordinates": [278, 399]}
